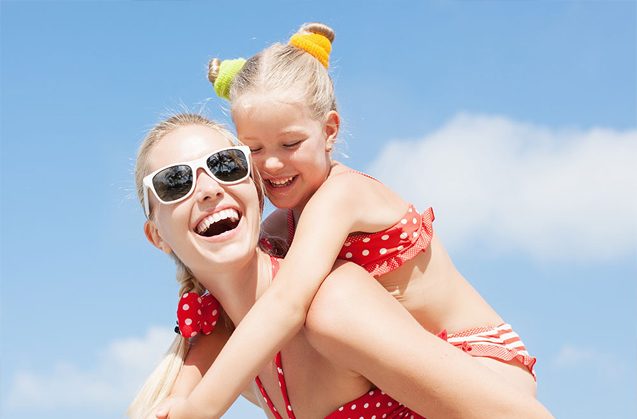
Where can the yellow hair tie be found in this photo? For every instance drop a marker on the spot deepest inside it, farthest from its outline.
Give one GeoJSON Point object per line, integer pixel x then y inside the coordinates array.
{"type": "Point", "coordinates": [228, 69]}
{"type": "Point", "coordinates": [313, 43]}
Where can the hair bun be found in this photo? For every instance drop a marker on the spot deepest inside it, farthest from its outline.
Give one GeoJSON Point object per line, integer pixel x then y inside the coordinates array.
{"type": "Point", "coordinates": [315, 39]}
{"type": "Point", "coordinates": [213, 70]}
{"type": "Point", "coordinates": [318, 28]}
{"type": "Point", "coordinates": [222, 73]}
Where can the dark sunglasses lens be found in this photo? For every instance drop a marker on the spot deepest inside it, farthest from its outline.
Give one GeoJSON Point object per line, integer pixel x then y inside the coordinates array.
{"type": "Point", "coordinates": [173, 182]}
{"type": "Point", "coordinates": [229, 165]}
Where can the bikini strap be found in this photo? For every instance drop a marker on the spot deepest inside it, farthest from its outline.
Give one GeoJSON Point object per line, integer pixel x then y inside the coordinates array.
{"type": "Point", "coordinates": [275, 265]}
{"type": "Point", "coordinates": [279, 366]}
{"type": "Point", "coordinates": [291, 227]}
{"type": "Point", "coordinates": [283, 386]}
{"type": "Point", "coordinates": [358, 173]}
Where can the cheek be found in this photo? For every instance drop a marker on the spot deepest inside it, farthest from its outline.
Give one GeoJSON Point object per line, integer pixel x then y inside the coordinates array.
{"type": "Point", "coordinates": [317, 155]}
{"type": "Point", "coordinates": [259, 161]}
{"type": "Point", "coordinates": [172, 221]}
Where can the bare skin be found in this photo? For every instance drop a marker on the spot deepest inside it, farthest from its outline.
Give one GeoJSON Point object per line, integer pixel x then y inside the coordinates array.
{"type": "Point", "coordinates": [427, 374]}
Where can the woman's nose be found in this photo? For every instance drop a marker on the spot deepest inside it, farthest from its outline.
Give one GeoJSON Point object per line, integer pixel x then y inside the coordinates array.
{"type": "Point", "coordinates": [206, 187]}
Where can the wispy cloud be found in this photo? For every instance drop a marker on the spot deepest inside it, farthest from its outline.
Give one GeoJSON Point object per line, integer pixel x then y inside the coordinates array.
{"type": "Point", "coordinates": [555, 194]}
{"type": "Point", "coordinates": [109, 386]}
{"type": "Point", "coordinates": [574, 356]}
{"type": "Point", "coordinates": [603, 363]}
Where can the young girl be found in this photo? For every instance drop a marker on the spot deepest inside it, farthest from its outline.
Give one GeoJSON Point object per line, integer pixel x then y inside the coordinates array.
{"type": "Point", "coordinates": [203, 209]}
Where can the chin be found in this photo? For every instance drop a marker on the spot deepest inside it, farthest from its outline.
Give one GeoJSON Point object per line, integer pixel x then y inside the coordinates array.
{"type": "Point", "coordinates": [219, 253]}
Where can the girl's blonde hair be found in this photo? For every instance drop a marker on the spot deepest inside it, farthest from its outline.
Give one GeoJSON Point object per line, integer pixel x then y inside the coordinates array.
{"type": "Point", "coordinates": [287, 69]}
{"type": "Point", "coordinates": [159, 384]}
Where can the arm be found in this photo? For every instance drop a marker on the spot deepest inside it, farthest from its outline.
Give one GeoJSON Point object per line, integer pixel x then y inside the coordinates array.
{"type": "Point", "coordinates": [356, 324]}
{"type": "Point", "coordinates": [280, 312]}
{"type": "Point", "coordinates": [202, 352]}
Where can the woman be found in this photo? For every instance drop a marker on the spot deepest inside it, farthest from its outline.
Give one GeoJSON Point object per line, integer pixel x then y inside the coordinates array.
{"type": "Point", "coordinates": [204, 210]}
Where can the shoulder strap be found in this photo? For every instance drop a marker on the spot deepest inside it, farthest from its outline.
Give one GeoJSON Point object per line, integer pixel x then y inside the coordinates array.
{"type": "Point", "coordinates": [275, 265]}
{"type": "Point", "coordinates": [291, 226]}
{"type": "Point", "coordinates": [350, 171]}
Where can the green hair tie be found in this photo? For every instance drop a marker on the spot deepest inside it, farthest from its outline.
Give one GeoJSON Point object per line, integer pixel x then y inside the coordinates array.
{"type": "Point", "coordinates": [228, 69]}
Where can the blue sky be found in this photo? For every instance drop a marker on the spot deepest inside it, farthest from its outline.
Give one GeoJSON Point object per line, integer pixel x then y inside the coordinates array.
{"type": "Point", "coordinates": [517, 121]}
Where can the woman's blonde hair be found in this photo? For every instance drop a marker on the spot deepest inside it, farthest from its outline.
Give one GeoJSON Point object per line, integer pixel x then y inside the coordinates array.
{"type": "Point", "coordinates": [159, 384]}
{"type": "Point", "coordinates": [287, 69]}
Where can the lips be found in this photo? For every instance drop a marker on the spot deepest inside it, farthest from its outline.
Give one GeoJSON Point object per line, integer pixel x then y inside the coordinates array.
{"type": "Point", "coordinates": [218, 222]}
{"type": "Point", "coordinates": [280, 182]}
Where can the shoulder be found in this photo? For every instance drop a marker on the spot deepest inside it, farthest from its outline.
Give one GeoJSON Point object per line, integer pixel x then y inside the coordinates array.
{"type": "Point", "coordinates": [352, 192]}
{"type": "Point", "coordinates": [345, 185]}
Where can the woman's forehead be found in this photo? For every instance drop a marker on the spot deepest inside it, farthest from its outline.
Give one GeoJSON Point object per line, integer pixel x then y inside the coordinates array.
{"type": "Point", "coordinates": [187, 143]}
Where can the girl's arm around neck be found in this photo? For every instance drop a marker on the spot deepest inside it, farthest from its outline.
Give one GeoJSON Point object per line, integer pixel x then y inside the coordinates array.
{"type": "Point", "coordinates": [280, 312]}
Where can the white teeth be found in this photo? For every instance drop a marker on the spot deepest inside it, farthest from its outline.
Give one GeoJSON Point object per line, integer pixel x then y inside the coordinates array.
{"type": "Point", "coordinates": [281, 182]}
{"type": "Point", "coordinates": [216, 217]}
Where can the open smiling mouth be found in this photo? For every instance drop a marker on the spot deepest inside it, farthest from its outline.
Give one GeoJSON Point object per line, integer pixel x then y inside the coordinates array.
{"type": "Point", "coordinates": [218, 223]}
{"type": "Point", "coordinates": [280, 182]}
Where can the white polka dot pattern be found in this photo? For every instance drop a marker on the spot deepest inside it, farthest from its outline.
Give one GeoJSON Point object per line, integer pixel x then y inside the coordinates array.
{"type": "Point", "coordinates": [403, 241]}
{"type": "Point", "coordinates": [371, 405]}
{"type": "Point", "coordinates": [386, 250]}
{"type": "Point", "coordinates": [197, 314]}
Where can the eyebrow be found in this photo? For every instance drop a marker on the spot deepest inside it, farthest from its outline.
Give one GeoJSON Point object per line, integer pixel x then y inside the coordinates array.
{"type": "Point", "coordinates": [293, 130]}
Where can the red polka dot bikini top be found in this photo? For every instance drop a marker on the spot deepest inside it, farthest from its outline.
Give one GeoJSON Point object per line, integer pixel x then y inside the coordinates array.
{"type": "Point", "coordinates": [386, 250]}
{"type": "Point", "coordinates": [373, 404]}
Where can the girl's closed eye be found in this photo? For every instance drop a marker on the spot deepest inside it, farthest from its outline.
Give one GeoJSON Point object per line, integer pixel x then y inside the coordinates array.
{"type": "Point", "coordinates": [293, 144]}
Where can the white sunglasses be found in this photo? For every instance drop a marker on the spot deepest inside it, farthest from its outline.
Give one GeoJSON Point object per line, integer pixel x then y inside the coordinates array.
{"type": "Point", "coordinates": [174, 183]}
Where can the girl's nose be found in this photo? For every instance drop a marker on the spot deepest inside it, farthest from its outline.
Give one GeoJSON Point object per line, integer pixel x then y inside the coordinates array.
{"type": "Point", "coordinates": [272, 163]}
{"type": "Point", "coordinates": [206, 187]}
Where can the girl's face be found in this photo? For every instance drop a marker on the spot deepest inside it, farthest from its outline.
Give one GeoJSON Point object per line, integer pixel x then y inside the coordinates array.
{"type": "Point", "coordinates": [290, 148]}
{"type": "Point", "coordinates": [217, 224]}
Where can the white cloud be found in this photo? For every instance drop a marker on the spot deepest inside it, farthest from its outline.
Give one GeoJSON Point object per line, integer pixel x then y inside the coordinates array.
{"type": "Point", "coordinates": [604, 364]}
{"type": "Point", "coordinates": [503, 185]}
{"type": "Point", "coordinates": [110, 385]}
{"type": "Point", "coordinates": [573, 356]}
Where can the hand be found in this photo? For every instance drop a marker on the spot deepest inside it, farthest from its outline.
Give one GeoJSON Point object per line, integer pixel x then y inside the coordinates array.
{"type": "Point", "coordinates": [165, 407]}
{"type": "Point", "coordinates": [179, 407]}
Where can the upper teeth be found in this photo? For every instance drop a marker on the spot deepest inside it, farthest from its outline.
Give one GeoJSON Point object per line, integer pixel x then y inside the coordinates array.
{"type": "Point", "coordinates": [217, 216]}
{"type": "Point", "coordinates": [279, 182]}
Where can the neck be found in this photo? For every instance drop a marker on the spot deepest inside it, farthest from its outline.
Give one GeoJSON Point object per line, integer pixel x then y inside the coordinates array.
{"type": "Point", "coordinates": [239, 285]}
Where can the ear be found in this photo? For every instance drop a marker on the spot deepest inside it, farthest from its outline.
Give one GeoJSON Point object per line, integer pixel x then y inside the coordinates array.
{"type": "Point", "coordinates": [153, 236]}
{"type": "Point", "coordinates": [332, 125]}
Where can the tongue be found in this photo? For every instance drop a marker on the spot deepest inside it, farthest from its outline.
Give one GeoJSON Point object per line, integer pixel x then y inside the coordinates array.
{"type": "Point", "coordinates": [220, 226]}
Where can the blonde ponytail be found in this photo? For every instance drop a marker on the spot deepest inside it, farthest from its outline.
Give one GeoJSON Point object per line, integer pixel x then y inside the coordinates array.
{"type": "Point", "coordinates": [159, 384]}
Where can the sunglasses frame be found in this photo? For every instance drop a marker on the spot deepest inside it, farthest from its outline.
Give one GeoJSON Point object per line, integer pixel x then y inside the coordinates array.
{"type": "Point", "coordinates": [195, 165]}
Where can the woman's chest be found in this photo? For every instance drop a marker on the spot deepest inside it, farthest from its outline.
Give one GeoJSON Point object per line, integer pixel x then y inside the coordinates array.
{"type": "Point", "coordinates": [305, 383]}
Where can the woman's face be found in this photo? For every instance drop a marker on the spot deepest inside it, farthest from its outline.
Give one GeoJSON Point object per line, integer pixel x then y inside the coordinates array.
{"type": "Point", "coordinates": [289, 147]}
{"type": "Point", "coordinates": [217, 224]}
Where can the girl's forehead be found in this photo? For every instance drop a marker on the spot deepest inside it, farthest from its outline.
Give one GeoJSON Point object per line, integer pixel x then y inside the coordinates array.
{"type": "Point", "coordinates": [260, 101]}
{"type": "Point", "coordinates": [269, 120]}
